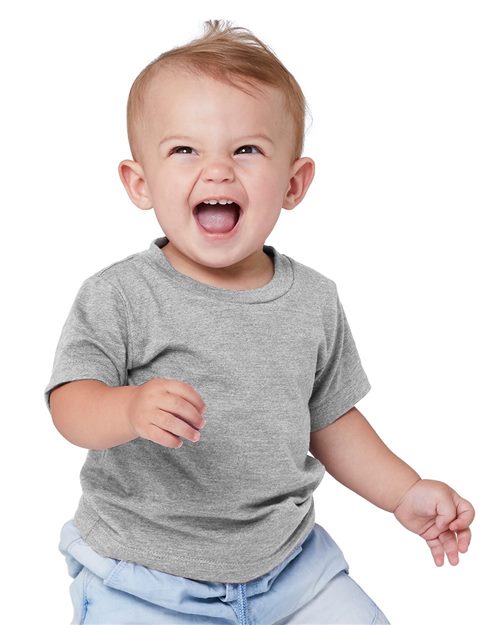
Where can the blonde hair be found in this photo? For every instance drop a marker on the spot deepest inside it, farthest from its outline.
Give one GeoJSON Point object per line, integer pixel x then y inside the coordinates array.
{"type": "Point", "coordinates": [232, 55]}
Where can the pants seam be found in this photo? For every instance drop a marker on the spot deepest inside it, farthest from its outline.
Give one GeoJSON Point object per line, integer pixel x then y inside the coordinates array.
{"type": "Point", "coordinates": [85, 601]}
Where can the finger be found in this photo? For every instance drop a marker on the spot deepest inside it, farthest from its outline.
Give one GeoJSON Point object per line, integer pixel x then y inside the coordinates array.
{"type": "Point", "coordinates": [176, 406]}
{"type": "Point", "coordinates": [178, 426]}
{"type": "Point", "coordinates": [446, 512]}
{"type": "Point", "coordinates": [163, 437]}
{"type": "Point", "coordinates": [465, 514]}
{"type": "Point", "coordinates": [463, 538]}
{"type": "Point", "coordinates": [178, 387]}
{"type": "Point", "coordinates": [437, 551]}
{"type": "Point", "coordinates": [449, 542]}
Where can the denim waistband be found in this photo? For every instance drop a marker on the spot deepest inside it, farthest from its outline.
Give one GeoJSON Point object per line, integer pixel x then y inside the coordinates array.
{"type": "Point", "coordinates": [264, 582]}
{"type": "Point", "coordinates": [78, 554]}
{"type": "Point", "coordinates": [320, 557]}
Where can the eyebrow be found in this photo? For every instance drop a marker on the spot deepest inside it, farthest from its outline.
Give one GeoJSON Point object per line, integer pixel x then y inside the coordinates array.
{"type": "Point", "coordinates": [258, 136]}
{"type": "Point", "coordinates": [175, 138]}
{"type": "Point", "coordinates": [190, 139]}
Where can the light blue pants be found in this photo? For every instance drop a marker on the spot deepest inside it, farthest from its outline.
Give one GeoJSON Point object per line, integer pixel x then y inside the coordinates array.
{"type": "Point", "coordinates": [310, 587]}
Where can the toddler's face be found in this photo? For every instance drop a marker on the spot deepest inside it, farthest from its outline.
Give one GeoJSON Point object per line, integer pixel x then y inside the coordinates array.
{"type": "Point", "coordinates": [204, 140]}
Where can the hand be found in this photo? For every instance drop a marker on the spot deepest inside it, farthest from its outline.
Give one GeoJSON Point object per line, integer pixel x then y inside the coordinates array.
{"type": "Point", "coordinates": [161, 410]}
{"type": "Point", "coordinates": [437, 513]}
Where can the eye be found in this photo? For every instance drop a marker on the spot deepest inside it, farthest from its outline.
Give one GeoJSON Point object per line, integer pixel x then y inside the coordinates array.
{"type": "Point", "coordinates": [247, 149]}
{"type": "Point", "coordinates": [181, 149]}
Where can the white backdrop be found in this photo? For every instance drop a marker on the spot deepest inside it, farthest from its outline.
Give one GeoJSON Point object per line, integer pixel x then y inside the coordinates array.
{"type": "Point", "coordinates": [405, 133]}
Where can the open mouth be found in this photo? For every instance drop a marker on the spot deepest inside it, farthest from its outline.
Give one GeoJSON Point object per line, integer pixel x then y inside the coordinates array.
{"type": "Point", "coordinates": [217, 216]}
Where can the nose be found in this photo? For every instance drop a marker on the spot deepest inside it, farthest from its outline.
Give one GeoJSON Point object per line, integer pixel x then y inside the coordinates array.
{"type": "Point", "coordinates": [218, 170]}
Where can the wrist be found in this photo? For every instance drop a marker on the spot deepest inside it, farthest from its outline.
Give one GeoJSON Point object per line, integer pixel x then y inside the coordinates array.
{"type": "Point", "coordinates": [128, 394]}
{"type": "Point", "coordinates": [117, 427]}
{"type": "Point", "coordinates": [404, 493]}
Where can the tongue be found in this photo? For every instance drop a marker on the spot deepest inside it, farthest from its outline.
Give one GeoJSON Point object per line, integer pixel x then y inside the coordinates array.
{"type": "Point", "coordinates": [217, 218]}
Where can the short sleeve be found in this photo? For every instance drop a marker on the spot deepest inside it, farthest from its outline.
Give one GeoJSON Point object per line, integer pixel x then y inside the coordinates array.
{"type": "Point", "coordinates": [340, 379]}
{"type": "Point", "coordinates": [94, 340]}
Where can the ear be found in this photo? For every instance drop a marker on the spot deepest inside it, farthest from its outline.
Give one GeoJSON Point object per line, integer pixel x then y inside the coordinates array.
{"type": "Point", "coordinates": [301, 176]}
{"type": "Point", "coordinates": [134, 181]}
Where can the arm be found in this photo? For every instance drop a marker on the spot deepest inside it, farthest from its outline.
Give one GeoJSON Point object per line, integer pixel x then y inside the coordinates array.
{"type": "Point", "coordinates": [353, 454]}
{"type": "Point", "coordinates": [91, 414]}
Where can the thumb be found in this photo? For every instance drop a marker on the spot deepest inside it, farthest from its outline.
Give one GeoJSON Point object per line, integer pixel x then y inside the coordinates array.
{"type": "Point", "coordinates": [446, 512]}
{"type": "Point", "coordinates": [465, 514]}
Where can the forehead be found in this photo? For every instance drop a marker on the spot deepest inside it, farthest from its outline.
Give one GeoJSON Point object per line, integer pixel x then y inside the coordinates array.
{"type": "Point", "coordinates": [176, 97]}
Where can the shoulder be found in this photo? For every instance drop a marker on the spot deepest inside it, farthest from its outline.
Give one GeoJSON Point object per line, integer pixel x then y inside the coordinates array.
{"type": "Point", "coordinates": [313, 282]}
{"type": "Point", "coordinates": [119, 268]}
{"type": "Point", "coordinates": [124, 275]}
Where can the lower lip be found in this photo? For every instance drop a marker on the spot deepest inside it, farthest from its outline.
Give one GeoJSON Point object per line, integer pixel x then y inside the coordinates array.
{"type": "Point", "coordinates": [215, 236]}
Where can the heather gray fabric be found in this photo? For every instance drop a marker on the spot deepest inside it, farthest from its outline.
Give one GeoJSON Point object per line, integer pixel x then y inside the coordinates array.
{"type": "Point", "coordinates": [272, 364]}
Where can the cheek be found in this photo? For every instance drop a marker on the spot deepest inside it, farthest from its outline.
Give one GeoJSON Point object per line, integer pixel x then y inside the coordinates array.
{"type": "Point", "coordinates": [273, 192]}
{"type": "Point", "coordinates": [269, 183]}
{"type": "Point", "coordinates": [172, 185]}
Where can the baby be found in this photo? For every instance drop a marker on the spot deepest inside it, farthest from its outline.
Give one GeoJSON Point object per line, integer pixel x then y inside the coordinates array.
{"type": "Point", "coordinates": [201, 371]}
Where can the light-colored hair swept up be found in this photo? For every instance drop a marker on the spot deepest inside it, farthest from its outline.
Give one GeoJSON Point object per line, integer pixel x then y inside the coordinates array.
{"type": "Point", "coordinates": [232, 55]}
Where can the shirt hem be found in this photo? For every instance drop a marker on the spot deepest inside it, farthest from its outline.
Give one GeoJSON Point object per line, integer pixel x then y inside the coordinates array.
{"type": "Point", "coordinates": [95, 534]}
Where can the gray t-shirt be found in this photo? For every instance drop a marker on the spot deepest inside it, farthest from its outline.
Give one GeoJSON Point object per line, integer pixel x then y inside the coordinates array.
{"type": "Point", "coordinates": [272, 364]}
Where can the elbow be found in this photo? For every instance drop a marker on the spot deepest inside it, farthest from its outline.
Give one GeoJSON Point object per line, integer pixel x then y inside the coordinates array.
{"type": "Point", "coordinates": [62, 411]}
{"type": "Point", "coordinates": [60, 420]}
{"type": "Point", "coordinates": [58, 407]}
